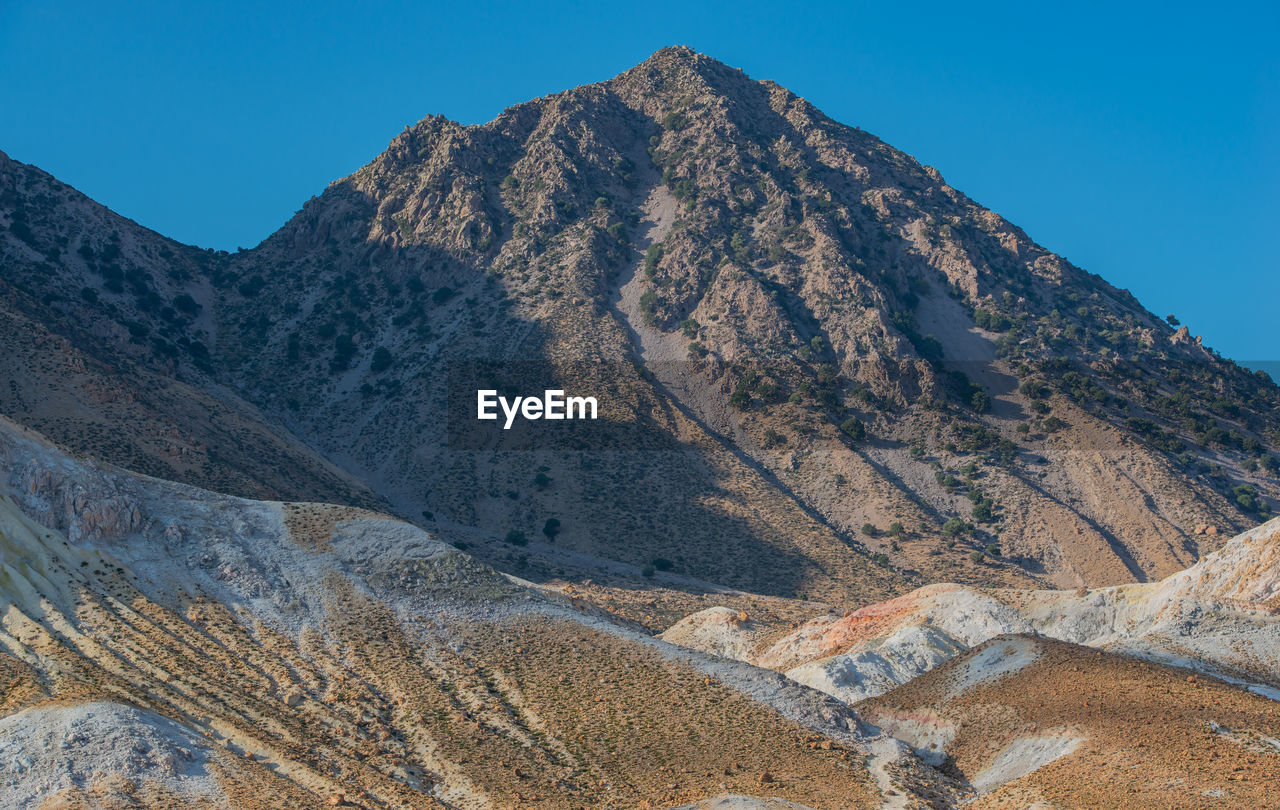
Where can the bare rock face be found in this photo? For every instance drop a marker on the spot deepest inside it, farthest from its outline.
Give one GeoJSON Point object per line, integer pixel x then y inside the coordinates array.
{"type": "Point", "coordinates": [824, 333]}
{"type": "Point", "coordinates": [62, 501]}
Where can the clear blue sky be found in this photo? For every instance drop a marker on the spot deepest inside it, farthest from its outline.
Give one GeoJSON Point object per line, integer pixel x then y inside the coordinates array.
{"type": "Point", "coordinates": [1143, 144]}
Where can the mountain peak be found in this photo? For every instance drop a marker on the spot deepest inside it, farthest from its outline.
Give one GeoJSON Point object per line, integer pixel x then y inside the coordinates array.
{"type": "Point", "coordinates": [677, 58]}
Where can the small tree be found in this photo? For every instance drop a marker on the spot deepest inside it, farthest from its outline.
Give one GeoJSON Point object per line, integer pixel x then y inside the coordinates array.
{"type": "Point", "coordinates": [551, 528]}
{"type": "Point", "coordinates": [895, 529]}
{"type": "Point", "coordinates": [542, 480]}
{"type": "Point", "coordinates": [869, 530]}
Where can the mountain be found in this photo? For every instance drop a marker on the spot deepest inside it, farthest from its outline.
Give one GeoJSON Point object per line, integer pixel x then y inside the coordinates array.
{"type": "Point", "coordinates": [885, 504]}
{"type": "Point", "coordinates": [822, 371]}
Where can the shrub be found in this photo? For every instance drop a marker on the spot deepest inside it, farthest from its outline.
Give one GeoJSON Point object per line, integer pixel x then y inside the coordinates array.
{"type": "Point", "coordinates": [186, 304]}
{"type": "Point", "coordinates": [663, 564]}
{"type": "Point", "coordinates": [1005, 452]}
{"type": "Point", "coordinates": [542, 480]}
{"type": "Point", "coordinates": [1247, 497]}
{"type": "Point", "coordinates": [869, 530]}
{"type": "Point", "coordinates": [955, 527]}
{"type": "Point", "coordinates": [982, 510]}
{"type": "Point", "coordinates": [854, 428]}
{"type": "Point", "coordinates": [1033, 389]}
{"type": "Point", "coordinates": [651, 258]}
{"type": "Point", "coordinates": [895, 529]}
{"type": "Point", "coordinates": [977, 556]}
{"type": "Point", "coordinates": [991, 320]}
{"type": "Point", "coordinates": [882, 560]}
{"type": "Point", "coordinates": [648, 571]}
{"type": "Point", "coordinates": [551, 528]}
{"type": "Point", "coordinates": [516, 538]}
{"type": "Point", "coordinates": [344, 348]}
{"type": "Point", "coordinates": [381, 360]}
{"type": "Point", "coordinates": [648, 307]}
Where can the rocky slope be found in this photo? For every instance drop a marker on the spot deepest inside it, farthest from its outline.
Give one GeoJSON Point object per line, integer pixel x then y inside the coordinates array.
{"type": "Point", "coordinates": [106, 349]}
{"type": "Point", "coordinates": [823, 371]}
{"type": "Point", "coordinates": [169, 646]}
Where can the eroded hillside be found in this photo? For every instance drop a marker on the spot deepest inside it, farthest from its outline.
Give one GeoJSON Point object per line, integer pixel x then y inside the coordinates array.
{"type": "Point", "coordinates": [174, 647]}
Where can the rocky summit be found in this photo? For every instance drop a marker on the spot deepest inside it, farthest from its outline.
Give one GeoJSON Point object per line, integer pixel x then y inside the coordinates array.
{"type": "Point", "coordinates": [884, 504]}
